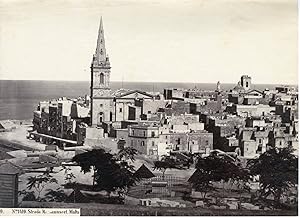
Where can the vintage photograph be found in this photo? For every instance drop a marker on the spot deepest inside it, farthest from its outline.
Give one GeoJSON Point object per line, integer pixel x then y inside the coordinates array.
{"type": "Point", "coordinates": [149, 107]}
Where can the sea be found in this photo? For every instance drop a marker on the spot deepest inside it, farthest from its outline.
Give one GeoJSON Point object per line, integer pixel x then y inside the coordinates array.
{"type": "Point", "coordinates": [19, 98]}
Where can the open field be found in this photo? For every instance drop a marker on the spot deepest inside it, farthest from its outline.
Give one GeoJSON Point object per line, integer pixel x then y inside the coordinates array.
{"type": "Point", "coordinates": [93, 209]}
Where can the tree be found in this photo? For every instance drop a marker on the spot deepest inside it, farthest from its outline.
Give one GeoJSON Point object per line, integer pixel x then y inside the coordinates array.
{"type": "Point", "coordinates": [201, 182]}
{"type": "Point", "coordinates": [205, 174]}
{"type": "Point", "coordinates": [183, 159]}
{"type": "Point", "coordinates": [38, 183]}
{"type": "Point", "coordinates": [127, 153]}
{"type": "Point", "coordinates": [216, 168]}
{"type": "Point", "coordinates": [69, 176]}
{"type": "Point", "coordinates": [57, 195]}
{"type": "Point", "coordinates": [241, 178]}
{"type": "Point", "coordinates": [110, 173]}
{"type": "Point", "coordinates": [93, 161]}
{"type": "Point", "coordinates": [278, 171]}
{"type": "Point", "coordinates": [165, 163]}
{"type": "Point", "coordinates": [27, 195]}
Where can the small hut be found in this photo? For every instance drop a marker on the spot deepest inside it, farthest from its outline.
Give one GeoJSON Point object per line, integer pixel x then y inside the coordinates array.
{"type": "Point", "coordinates": [77, 197]}
{"type": "Point", "coordinates": [144, 173]}
{"type": "Point", "coordinates": [9, 177]}
{"type": "Point", "coordinates": [195, 176]}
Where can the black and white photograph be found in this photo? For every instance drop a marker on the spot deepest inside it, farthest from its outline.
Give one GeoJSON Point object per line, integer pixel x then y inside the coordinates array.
{"type": "Point", "coordinates": [149, 107]}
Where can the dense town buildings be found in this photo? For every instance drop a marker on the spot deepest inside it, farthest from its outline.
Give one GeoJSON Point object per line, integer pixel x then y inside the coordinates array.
{"type": "Point", "coordinates": [192, 145]}
{"type": "Point", "coordinates": [241, 120]}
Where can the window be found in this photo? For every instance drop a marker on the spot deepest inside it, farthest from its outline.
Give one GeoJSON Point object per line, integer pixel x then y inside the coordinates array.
{"type": "Point", "coordinates": [131, 143]}
{"type": "Point", "coordinates": [132, 132]}
{"type": "Point", "coordinates": [206, 142]}
{"type": "Point", "coordinates": [247, 84]}
{"type": "Point", "coordinates": [149, 112]}
{"type": "Point", "coordinates": [101, 78]}
{"type": "Point", "coordinates": [144, 133]}
{"type": "Point", "coordinates": [120, 109]}
{"type": "Point", "coordinates": [260, 140]}
{"type": "Point", "coordinates": [101, 105]}
{"type": "Point", "coordinates": [153, 144]}
{"type": "Point", "coordinates": [152, 134]}
{"type": "Point", "coordinates": [259, 149]}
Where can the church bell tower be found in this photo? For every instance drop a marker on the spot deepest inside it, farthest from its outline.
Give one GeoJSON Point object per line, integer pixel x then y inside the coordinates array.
{"type": "Point", "coordinates": [100, 80]}
{"type": "Point", "coordinates": [100, 65]}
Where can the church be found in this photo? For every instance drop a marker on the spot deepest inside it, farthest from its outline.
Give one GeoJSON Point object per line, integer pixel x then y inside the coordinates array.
{"type": "Point", "coordinates": [108, 105]}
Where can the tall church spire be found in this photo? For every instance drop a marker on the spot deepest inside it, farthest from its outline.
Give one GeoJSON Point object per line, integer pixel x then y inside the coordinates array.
{"type": "Point", "coordinates": [100, 54]}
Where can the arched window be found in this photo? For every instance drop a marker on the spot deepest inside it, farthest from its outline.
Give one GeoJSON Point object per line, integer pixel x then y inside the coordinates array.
{"type": "Point", "coordinates": [101, 78]}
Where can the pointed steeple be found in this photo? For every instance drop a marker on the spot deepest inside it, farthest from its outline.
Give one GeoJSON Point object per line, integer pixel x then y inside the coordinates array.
{"type": "Point", "coordinates": [100, 54]}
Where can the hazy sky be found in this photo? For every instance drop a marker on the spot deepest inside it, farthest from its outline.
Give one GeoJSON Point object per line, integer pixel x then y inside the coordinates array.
{"type": "Point", "coordinates": [157, 40]}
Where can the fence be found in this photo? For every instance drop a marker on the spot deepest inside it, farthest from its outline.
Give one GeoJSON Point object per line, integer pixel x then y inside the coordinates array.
{"type": "Point", "coordinates": [170, 186]}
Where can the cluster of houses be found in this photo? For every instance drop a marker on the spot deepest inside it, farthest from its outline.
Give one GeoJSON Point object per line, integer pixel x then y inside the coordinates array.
{"type": "Point", "coordinates": [242, 120]}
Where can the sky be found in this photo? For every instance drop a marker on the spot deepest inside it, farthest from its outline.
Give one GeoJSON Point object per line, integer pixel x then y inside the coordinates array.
{"type": "Point", "coordinates": [201, 41]}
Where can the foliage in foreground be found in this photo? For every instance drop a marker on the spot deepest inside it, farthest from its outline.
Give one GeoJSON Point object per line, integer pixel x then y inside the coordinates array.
{"type": "Point", "coordinates": [214, 168]}
{"type": "Point", "coordinates": [277, 169]}
{"type": "Point", "coordinates": [112, 173]}
{"type": "Point", "coordinates": [171, 162]}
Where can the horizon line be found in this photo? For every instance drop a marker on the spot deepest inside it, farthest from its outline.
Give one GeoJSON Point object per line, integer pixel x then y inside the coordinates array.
{"type": "Point", "coordinates": [146, 82]}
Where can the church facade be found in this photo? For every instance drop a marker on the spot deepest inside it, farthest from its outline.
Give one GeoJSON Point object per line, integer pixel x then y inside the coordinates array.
{"type": "Point", "coordinates": [108, 105]}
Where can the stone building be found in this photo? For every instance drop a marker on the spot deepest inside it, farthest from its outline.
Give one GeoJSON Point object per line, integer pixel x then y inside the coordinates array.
{"type": "Point", "coordinates": [101, 99]}
{"type": "Point", "coordinates": [194, 142]}
{"type": "Point", "coordinates": [154, 140]}
{"type": "Point", "coordinates": [106, 105]}
{"type": "Point", "coordinates": [252, 110]}
{"type": "Point", "coordinates": [246, 82]}
{"type": "Point", "coordinates": [144, 138]}
{"type": "Point", "coordinates": [253, 141]}
{"type": "Point", "coordinates": [175, 93]}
